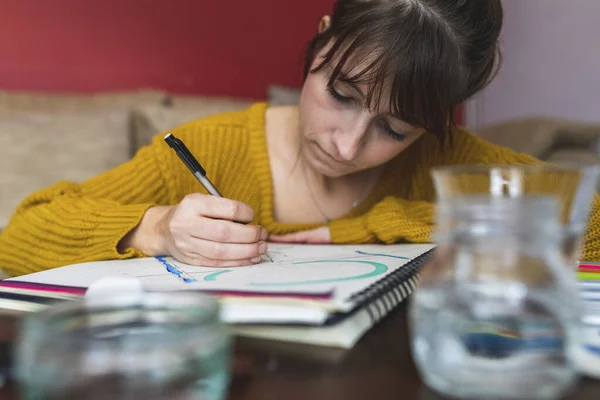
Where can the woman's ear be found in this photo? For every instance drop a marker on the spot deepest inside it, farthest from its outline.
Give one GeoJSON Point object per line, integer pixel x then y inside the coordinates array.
{"type": "Point", "coordinates": [325, 23]}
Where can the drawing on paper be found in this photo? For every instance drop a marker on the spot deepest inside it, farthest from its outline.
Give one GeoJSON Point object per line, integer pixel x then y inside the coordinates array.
{"type": "Point", "coordinates": [319, 265]}
{"type": "Point", "coordinates": [378, 269]}
{"type": "Point", "coordinates": [339, 269]}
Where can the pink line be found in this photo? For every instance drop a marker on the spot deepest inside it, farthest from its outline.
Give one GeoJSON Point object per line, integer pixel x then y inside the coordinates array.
{"type": "Point", "coordinates": [80, 291]}
{"type": "Point", "coordinates": [320, 296]}
{"type": "Point", "coordinates": [40, 287]}
{"type": "Point", "coordinates": [590, 266]}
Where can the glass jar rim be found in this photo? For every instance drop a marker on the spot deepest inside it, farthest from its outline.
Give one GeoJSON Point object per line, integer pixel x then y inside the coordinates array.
{"type": "Point", "coordinates": [187, 301]}
{"type": "Point", "coordinates": [547, 203]}
{"type": "Point", "coordinates": [539, 211]}
{"type": "Point", "coordinates": [564, 166]}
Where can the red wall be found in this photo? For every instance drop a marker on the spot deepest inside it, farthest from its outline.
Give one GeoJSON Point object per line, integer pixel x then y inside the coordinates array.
{"type": "Point", "coordinates": [233, 47]}
{"type": "Point", "coordinates": [208, 47]}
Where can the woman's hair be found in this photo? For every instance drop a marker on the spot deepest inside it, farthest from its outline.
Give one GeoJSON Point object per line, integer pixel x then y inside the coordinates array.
{"type": "Point", "coordinates": [434, 53]}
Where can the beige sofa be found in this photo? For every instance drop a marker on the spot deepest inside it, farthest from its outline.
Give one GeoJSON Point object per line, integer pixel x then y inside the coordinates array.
{"type": "Point", "coordinates": [45, 138]}
{"type": "Point", "coordinates": [547, 138]}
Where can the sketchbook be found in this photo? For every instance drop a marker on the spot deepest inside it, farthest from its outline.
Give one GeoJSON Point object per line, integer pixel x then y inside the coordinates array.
{"type": "Point", "coordinates": [321, 294]}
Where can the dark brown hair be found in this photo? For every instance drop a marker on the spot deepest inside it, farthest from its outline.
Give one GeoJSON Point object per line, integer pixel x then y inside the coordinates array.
{"type": "Point", "coordinates": [434, 53]}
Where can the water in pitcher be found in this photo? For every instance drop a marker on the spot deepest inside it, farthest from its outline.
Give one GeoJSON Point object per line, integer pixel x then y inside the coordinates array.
{"type": "Point", "coordinates": [496, 314]}
{"type": "Point", "coordinates": [511, 345]}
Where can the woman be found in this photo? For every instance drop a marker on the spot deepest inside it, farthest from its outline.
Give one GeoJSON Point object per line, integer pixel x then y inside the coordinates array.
{"type": "Point", "coordinates": [350, 164]}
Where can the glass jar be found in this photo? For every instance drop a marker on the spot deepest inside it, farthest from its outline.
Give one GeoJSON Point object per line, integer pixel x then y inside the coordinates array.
{"type": "Point", "coordinates": [496, 312]}
{"type": "Point", "coordinates": [148, 346]}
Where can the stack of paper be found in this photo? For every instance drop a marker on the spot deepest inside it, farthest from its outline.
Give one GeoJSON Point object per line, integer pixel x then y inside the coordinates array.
{"type": "Point", "coordinates": [311, 286]}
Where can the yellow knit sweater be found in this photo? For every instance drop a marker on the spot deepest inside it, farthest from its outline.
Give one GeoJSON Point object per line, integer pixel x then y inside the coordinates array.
{"type": "Point", "coordinates": [71, 223]}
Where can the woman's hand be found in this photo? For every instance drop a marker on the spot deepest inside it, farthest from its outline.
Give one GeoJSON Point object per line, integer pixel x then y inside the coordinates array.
{"type": "Point", "coordinates": [201, 230]}
{"type": "Point", "coordinates": [315, 236]}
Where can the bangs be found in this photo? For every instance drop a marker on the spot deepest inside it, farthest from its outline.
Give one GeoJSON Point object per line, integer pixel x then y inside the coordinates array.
{"type": "Point", "coordinates": [412, 63]}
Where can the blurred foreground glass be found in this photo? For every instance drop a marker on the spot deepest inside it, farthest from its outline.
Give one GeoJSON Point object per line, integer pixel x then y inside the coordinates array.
{"type": "Point", "coordinates": [152, 346]}
{"type": "Point", "coordinates": [573, 185]}
{"type": "Point", "coordinates": [496, 313]}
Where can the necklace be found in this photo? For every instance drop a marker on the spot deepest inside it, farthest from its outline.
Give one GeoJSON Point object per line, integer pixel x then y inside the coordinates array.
{"type": "Point", "coordinates": [314, 200]}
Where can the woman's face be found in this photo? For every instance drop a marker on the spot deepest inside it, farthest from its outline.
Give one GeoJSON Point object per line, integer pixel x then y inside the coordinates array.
{"type": "Point", "coordinates": [339, 135]}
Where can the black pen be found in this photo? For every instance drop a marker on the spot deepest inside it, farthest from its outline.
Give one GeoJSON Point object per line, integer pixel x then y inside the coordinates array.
{"type": "Point", "coordinates": [194, 166]}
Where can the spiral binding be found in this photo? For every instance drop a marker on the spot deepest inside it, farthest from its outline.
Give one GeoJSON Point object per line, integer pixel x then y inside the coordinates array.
{"type": "Point", "coordinates": [383, 296]}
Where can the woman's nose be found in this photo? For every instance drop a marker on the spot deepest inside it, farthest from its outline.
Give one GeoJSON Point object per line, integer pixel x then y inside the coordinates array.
{"type": "Point", "coordinates": [350, 140]}
{"type": "Point", "coordinates": [348, 146]}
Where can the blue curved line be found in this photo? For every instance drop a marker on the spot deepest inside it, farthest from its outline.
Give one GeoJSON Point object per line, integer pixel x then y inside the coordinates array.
{"type": "Point", "coordinates": [213, 276]}
{"type": "Point", "coordinates": [592, 349]}
{"type": "Point", "coordinates": [382, 255]}
{"type": "Point", "coordinates": [173, 269]}
{"type": "Point", "coordinates": [379, 269]}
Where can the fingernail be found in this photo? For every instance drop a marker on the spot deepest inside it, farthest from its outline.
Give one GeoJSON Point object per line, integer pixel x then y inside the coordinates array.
{"type": "Point", "coordinates": [264, 234]}
{"type": "Point", "coordinates": [262, 247]}
{"type": "Point", "coordinates": [255, 259]}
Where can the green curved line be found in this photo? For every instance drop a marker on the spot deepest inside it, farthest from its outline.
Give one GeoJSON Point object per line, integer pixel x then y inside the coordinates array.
{"type": "Point", "coordinates": [379, 269]}
{"type": "Point", "coordinates": [213, 276]}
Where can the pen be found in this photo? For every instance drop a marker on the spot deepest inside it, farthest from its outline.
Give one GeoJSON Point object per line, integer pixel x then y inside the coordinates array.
{"type": "Point", "coordinates": [194, 166]}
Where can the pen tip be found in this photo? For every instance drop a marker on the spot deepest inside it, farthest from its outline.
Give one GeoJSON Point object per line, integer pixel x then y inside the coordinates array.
{"type": "Point", "coordinates": [167, 135]}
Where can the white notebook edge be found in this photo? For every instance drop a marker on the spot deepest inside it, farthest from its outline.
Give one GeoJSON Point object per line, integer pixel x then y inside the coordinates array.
{"type": "Point", "coordinates": [344, 334]}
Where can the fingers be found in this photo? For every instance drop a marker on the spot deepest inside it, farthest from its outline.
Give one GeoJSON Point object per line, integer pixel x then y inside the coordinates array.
{"type": "Point", "coordinates": [200, 261]}
{"type": "Point", "coordinates": [211, 253]}
{"type": "Point", "coordinates": [228, 251]}
{"type": "Point", "coordinates": [218, 207]}
{"type": "Point", "coordinates": [216, 230]}
{"type": "Point", "coordinates": [204, 230]}
{"type": "Point", "coordinates": [299, 237]}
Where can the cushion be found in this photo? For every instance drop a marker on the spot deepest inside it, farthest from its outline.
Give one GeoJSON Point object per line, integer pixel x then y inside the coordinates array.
{"type": "Point", "coordinates": [39, 149]}
{"type": "Point", "coordinates": [12, 102]}
{"type": "Point", "coordinates": [279, 95]}
{"type": "Point", "coordinates": [540, 136]}
{"type": "Point", "coordinates": [151, 120]}
{"type": "Point", "coordinates": [208, 105]}
{"type": "Point", "coordinates": [573, 156]}
{"type": "Point", "coordinates": [534, 136]}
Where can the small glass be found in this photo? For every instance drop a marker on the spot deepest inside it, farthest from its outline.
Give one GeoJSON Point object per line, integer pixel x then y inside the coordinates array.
{"type": "Point", "coordinates": [573, 185]}
{"type": "Point", "coordinates": [496, 313]}
{"type": "Point", "coordinates": [148, 346]}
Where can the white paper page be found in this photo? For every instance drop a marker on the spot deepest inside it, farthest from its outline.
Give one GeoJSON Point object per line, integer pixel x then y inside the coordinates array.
{"type": "Point", "coordinates": [240, 313]}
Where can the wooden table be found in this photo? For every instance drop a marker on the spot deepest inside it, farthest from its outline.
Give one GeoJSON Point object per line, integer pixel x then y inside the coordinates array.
{"type": "Point", "coordinates": [378, 367]}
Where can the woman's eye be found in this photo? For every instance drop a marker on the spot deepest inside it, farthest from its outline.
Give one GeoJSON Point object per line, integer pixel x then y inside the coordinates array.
{"type": "Point", "coordinates": [391, 132]}
{"type": "Point", "coordinates": [337, 96]}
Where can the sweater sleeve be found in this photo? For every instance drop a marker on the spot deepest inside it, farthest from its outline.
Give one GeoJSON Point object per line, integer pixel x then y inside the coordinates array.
{"type": "Point", "coordinates": [71, 223]}
{"type": "Point", "coordinates": [397, 219]}
{"type": "Point", "coordinates": [391, 220]}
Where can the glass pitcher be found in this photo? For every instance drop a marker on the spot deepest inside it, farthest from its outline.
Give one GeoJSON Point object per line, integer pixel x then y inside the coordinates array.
{"type": "Point", "coordinates": [496, 313]}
